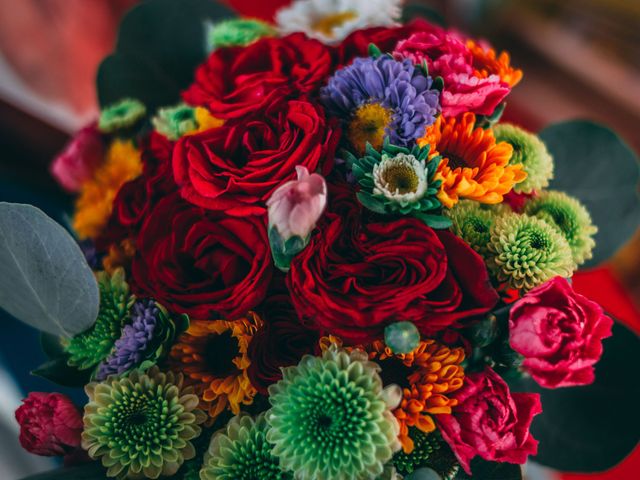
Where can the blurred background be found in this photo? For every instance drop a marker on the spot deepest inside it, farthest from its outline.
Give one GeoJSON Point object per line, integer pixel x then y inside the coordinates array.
{"type": "Point", "coordinates": [581, 59]}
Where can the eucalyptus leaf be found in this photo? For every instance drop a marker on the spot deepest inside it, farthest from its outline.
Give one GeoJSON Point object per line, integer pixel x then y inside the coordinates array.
{"type": "Point", "coordinates": [45, 279]}
{"type": "Point", "coordinates": [594, 165]}
{"type": "Point", "coordinates": [423, 474]}
{"type": "Point", "coordinates": [88, 471]}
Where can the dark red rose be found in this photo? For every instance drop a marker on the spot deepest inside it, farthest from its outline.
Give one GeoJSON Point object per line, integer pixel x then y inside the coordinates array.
{"type": "Point", "coordinates": [195, 263]}
{"type": "Point", "coordinates": [490, 421]}
{"type": "Point", "coordinates": [236, 167]}
{"type": "Point", "coordinates": [136, 198]}
{"type": "Point", "coordinates": [280, 342]}
{"type": "Point", "coordinates": [50, 424]}
{"type": "Point", "coordinates": [357, 275]}
{"type": "Point", "coordinates": [386, 39]}
{"type": "Point", "coordinates": [235, 82]}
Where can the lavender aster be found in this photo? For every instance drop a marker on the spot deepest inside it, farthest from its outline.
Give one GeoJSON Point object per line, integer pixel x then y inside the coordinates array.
{"type": "Point", "coordinates": [382, 97]}
{"type": "Point", "coordinates": [144, 339]}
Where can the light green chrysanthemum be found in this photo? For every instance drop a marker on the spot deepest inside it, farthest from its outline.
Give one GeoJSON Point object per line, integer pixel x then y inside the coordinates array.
{"type": "Point", "coordinates": [528, 150]}
{"type": "Point", "coordinates": [174, 122]}
{"type": "Point", "coordinates": [122, 114]}
{"type": "Point", "coordinates": [527, 251]}
{"type": "Point", "coordinates": [429, 451]}
{"type": "Point", "coordinates": [238, 32]}
{"type": "Point", "coordinates": [571, 218]}
{"type": "Point", "coordinates": [140, 425]}
{"type": "Point", "coordinates": [89, 348]}
{"type": "Point", "coordinates": [398, 180]}
{"type": "Point", "coordinates": [472, 222]}
{"type": "Point", "coordinates": [241, 452]}
{"type": "Point", "coordinates": [331, 418]}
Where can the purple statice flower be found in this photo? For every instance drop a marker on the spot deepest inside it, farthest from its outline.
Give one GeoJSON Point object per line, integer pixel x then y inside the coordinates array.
{"type": "Point", "coordinates": [131, 346]}
{"type": "Point", "coordinates": [398, 86]}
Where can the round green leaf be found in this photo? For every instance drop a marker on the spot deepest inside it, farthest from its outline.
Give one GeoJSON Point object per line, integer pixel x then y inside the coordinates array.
{"type": "Point", "coordinates": [594, 165]}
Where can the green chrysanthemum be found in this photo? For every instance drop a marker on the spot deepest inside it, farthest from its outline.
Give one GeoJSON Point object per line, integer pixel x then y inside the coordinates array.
{"type": "Point", "coordinates": [527, 251]}
{"type": "Point", "coordinates": [528, 150]}
{"type": "Point", "coordinates": [238, 32]}
{"type": "Point", "coordinates": [241, 452]}
{"type": "Point", "coordinates": [399, 181]}
{"type": "Point", "coordinates": [175, 122]}
{"type": "Point", "coordinates": [472, 222]}
{"type": "Point", "coordinates": [571, 218]}
{"type": "Point", "coordinates": [122, 114]}
{"type": "Point", "coordinates": [330, 418]}
{"type": "Point", "coordinates": [429, 451]}
{"type": "Point", "coordinates": [140, 425]}
{"type": "Point", "coordinates": [89, 348]}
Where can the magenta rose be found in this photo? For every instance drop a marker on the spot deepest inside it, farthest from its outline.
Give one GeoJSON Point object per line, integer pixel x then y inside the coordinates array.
{"type": "Point", "coordinates": [559, 332]}
{"type": "Point", "coordinates": [490, 421]}
{"type": "Point", "coordinates": [50, 424]}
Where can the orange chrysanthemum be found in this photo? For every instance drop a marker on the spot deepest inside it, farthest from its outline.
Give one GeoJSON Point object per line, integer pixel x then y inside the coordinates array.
{"type": "Point", "coordinates": [212, 354]}
{"type": "Point", "coordinates": [93, 207]}
{"type": "Point", "coordinates": [486, 62]}
{"type": "Point", "coordinates": [473, 166]}
{"type": "Point", "coordinates": [427, 375]}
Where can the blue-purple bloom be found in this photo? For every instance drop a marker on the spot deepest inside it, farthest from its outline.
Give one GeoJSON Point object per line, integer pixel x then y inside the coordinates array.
{"type": "Point", "coordinates": [131, 346]}
{"type": "Point", "coordinates": [398, 86]}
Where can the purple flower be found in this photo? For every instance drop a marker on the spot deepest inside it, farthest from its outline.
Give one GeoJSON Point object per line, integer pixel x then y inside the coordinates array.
{"type": "Point", "coordinates": [131, 346]}
{"type": "Point", "coordinates": [399, 87]}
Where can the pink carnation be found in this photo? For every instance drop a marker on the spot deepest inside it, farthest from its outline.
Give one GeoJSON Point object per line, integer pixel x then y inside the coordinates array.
{"type": "Point", "coordinates": [50, 424]}
{"type": "Point", "coordinates": [79, 159]}
{"type": "Point", "coordinates": [490, 421]}
{"type": "Point", "coordinates": [559, 332]}
{"type": "Point", "coordinates": [447, 56]}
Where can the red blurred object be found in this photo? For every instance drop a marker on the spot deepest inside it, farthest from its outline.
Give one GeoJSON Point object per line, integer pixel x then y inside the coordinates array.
{"type": "Point", "coordinates": [264, 10]}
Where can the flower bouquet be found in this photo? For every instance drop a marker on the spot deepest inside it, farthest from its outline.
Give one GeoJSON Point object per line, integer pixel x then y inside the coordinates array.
{"type": "Point", "coordinates": [312, 250]}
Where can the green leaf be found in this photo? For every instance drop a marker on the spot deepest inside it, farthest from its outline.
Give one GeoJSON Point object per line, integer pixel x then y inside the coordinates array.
{"type": "Point", "coordinates": [59, 372]}
{"type": "Point", "coordinates": [45, 280]}
{"type": "Point", "coordinates": [593, 164]}
{"type": "Point", "coordinates": [160, 43]}
{"type": "Point", "coordinates": [374, 51]}
{"type": "Point", "coordinates": [423, 474]}
{"type": "Point", "coordinates": [88, 471]}
{"type": "Point", "coordinates": [591, 428]}
{"type": "Point", "coordinates": [51, 345]}
{"type": "Point", "coordinates": [434, 221]}
{"type": "Point", "coordinates": [483, 470]}
{"type": "Point", "coordinates": [368, 201]}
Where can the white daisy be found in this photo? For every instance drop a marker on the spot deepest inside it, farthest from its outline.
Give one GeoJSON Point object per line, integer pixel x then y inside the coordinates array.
{"type": "Point", "coordinates": [401, 179]}
{"type": "Point", "coordinates": [330, 21]}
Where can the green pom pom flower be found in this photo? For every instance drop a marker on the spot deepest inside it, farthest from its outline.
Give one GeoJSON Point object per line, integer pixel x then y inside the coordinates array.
{"type": "Point", "coordinates": [570, 217]}
{"type": "Point", "coordinates": [175, 122]}
{"type": "Point", "coordinates": [331, 418]}
{"type": "Point", "coordinates": [89, 348]}
{"type": "Point", "coordinates": [140, 425]}
{"type": "Point", "coordinates": [472, 222]}
{"type": "Point", "coordinates": [430, 451]}
{"type": "Point", "coordinates": [399, 181]}
{"type": "Point", "coordinates": [527, 251]}
{"type": "Point", "coordinates": [238, 32]}
{"type": "Point", "coordinates": [120, 115]}
{"type": "Point", "coordinates": [528, 150]}
{"type": "Point", "coordinates": [241, 452]}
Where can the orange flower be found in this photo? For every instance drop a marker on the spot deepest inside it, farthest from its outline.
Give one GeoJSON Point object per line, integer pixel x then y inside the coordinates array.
{"type": "Point", "coordinates": [486, 62]}
{"type": "Point", "coordinates": [119, 255]}
{"type": "Point", "coordinates": [93, 207]}
{"type": "Point", "coordinates": [473, 166]}
{"type": "Point", "coordinates": [212, 354]}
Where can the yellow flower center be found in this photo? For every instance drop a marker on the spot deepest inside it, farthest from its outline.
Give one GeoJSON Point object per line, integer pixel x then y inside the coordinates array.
{"type": "Point", "coordinates": [328, 23]}
{"type": "Point", "coordinates": [401, 177]}
{"type": "Point", "coordinates": [369, 125]}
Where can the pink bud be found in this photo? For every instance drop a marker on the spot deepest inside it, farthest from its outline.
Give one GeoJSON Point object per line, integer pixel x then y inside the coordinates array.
{"type": "Point", "coordinates": [79, 159]}
{"type": "Point", "coordinates": [296, 206]}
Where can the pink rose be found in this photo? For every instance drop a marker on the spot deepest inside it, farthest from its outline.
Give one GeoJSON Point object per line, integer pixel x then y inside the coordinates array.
{"type": "Point", "coordinates": [50, 424]}
{"type": "Point", "coordinates": [295, 206]}
{"type": "Point", "coordinates": [79, 159]}
{"type": "Point", "coordinates": [490, 421]}
{"type": "Point", "coordinates": [559, 332]}
{"type": "Point", "coordinates": [447, 56]}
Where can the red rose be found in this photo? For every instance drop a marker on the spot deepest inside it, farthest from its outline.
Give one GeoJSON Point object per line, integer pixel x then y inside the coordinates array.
{"type": "Point", "coordinates": [490, 421]}
{"type": "Point", "coordinates": [358, 275]}
{"type": "Point", "coordinates": [236, 167]}
{"type": "Point", "coordinates": [50, 424]}
{"type": "Point", "coordinates": [280, 342]}
{"type": "Point", "coordinates": [235, 82]}
{"type": "Point", "coordinates": [195, 263]}
{"type": "Point", "coordinates": [559, 332]}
